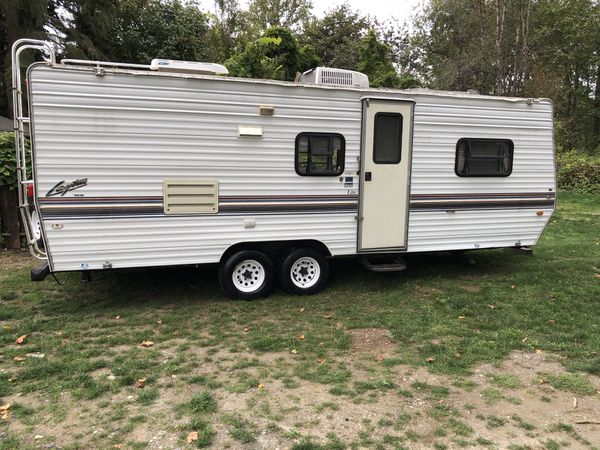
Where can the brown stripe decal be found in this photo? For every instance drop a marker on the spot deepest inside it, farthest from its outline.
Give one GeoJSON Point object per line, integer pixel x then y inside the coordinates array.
{"type": "Point", "coordinates": [272, 204]}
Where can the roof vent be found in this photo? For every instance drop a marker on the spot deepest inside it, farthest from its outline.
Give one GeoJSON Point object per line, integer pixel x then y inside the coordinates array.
{"type": "Point", "coordinates": [202, 68]}
{"type": "Point", "coordinates": [335, 77]}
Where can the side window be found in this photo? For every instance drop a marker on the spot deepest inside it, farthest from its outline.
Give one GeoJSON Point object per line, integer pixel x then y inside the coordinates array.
{"type": "Point", "coordinates": [320, 154]}
{"type": "Point", "coordinates": [387, 142]}
{"type": "Point", "coordinates": [484, 157]}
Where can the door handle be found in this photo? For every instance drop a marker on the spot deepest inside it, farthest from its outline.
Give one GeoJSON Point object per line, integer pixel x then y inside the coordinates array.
{"type": "Point", "coordinates": [368, 176]}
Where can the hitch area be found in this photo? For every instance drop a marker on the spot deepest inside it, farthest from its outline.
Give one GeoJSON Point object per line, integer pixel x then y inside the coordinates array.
{"type": "Point", "coordinates": [40, 272]}
{"type": "Point", "coordinates": [383, 263]}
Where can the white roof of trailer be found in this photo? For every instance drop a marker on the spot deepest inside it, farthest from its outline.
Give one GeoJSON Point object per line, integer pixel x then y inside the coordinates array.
{"type": "Point", "coordinates": [145, 70]}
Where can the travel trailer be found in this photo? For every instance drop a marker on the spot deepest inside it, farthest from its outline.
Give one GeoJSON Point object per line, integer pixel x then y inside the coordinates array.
{"type": "Point", "coordinates": [175, 163]}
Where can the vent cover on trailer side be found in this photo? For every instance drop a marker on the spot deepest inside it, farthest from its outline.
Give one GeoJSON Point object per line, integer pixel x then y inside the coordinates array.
{"type": "Point", "coordinates": [191, 196]}
{"type": "Point", "coordinates": [335, 77]}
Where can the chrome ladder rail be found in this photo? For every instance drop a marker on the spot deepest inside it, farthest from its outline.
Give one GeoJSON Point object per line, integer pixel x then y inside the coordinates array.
{"type": "Point", "coordinates": [20, 148]}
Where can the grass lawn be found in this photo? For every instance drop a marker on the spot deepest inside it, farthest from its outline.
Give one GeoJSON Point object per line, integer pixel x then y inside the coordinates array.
{"type": "Point", "coordinates": [496, 350]}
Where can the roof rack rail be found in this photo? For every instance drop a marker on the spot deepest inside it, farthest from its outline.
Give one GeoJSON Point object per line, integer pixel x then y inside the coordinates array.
{"type": "Point", "coordinates": [87, 62]}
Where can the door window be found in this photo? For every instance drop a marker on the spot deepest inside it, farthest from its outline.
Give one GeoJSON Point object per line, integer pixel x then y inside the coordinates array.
{"type": "Point", "coordinates": [387, 142]}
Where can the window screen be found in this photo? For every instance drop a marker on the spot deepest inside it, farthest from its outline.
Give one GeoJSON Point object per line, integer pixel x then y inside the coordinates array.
{"type": "Point", "coordinates": [484, 157]}
{"type": "Point", "coordinates": [320, 154]}
{"type": "Point", "coordinates": [387, 143]}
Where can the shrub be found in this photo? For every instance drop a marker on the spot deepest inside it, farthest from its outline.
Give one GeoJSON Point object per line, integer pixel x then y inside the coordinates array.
{"type": "Point", "coordinates": [578, 172]}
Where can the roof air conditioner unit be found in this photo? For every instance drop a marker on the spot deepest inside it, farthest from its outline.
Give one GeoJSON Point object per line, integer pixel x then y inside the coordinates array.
{"type": "Point", "coordinates": [335, 77]}
{"type": "Point", "coordinates": [202, 68]}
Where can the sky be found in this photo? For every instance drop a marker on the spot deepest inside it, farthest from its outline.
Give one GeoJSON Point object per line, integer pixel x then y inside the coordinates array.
{"type": "Point", "coordinates": [382, 9]}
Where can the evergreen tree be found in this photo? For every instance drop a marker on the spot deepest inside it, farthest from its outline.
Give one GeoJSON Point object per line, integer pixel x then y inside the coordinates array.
{"type": "Point", "coordinates": [375, 60]}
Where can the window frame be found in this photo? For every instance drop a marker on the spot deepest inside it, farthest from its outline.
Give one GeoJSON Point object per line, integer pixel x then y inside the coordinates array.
{"type": "Point", "coordinates": [511, 149]}
{"type": "Point", "coordinates": [341, 153]}
{"type": "Point", "coordinates": [400, 136]}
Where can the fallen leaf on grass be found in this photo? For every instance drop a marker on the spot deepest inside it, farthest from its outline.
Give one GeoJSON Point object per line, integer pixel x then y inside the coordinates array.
{"type": "Point", "coordinates": [458, 355]}
{"type": "Point", "coordinates": [461, 317]}
{"type": "Point", "coordinates": [261, 386]}
{"type": "Point", "coordinates": [19, 358]}
{"type": "Point", "coordinates": [327, 316]}
{"type": "Point", "coordinates": [525, 339]}
{"type": "Point", "coordinates": [492, 306]}
{"type": "Point", "coordinates": [159, 321]}
{"type": "Point", "coordinates": [246, 329]}
{"type": "Point", "coordinates": [542, 381]}
{"type": "Point", "coordinates": [140, 383]}
{"type": "Point", "coordinates": [301, 337]}
{"type": "Point", "coordinates": [301, 310]}
{"type": "Point", "coordinates": [147, 344]}
{"type": "Point", "coordinates": [294, 351]}
{"type": "Point", "coordinates": [118, 317]}
{"type": "Point", "coordinates": [430, 360]}
{"type": "Point", "coordinates": [21, 339]}
{"type": "Point", "coordinates": [552, 321]}
{"type": "Point", "coordinates": [192, 437]}
{"type": "Point", "coordinates": [321, 361]}
{"type": "Point", "coordinates": [4, 411]}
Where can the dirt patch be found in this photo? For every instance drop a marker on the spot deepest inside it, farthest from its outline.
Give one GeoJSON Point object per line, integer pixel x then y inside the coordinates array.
{"type": "Point", "coordinates": [428, 290]}
{"type": "Point", "coordinates": [470, 288]}
{"type": "Point", "coordinates": [410, 404]}
{"type": "Point", "coordinates": [16, 259]}
{"type": "Point", "coordinates": [371, 340]}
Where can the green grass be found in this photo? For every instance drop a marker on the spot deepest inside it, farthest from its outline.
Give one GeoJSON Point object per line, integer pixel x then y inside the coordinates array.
{"type": "Point", "coordinates": [202, 403]}
{"type": "Point", "coordinates": [571, 382]}
{"type": "Point", "coordinates": [505, 381]}
{"type": "Point", "coordinates": [548, 302]}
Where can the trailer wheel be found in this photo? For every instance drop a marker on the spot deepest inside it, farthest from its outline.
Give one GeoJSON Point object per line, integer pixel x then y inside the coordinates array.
{"type": "Point", "coordinates": [304, 272]}
{"type": "Point", "coordinates": [247, 275]}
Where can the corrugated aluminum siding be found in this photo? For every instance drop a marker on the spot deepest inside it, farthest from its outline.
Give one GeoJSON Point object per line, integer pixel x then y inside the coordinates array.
{"type": "Point", "coordinates": [126, 132]}
{"type": "Point", "coordinates": [438, 125]}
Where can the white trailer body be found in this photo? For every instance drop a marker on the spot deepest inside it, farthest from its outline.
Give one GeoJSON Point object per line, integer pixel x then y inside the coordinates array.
{"type": "Point", "coordinates": [136, 168]}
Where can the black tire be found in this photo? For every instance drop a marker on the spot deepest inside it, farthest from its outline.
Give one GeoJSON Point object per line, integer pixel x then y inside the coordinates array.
{"type": "Point", "coordinates": [247, 274]}
{"type": "Point", "coordinates": [291, 276]}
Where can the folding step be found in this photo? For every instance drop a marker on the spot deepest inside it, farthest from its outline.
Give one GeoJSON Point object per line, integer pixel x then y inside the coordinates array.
{"type": "Point", "coordinates": [383, 263]}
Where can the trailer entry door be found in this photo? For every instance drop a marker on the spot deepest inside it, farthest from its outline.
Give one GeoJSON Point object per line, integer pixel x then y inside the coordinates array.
{"type": "Point", "coordinates": [385, 174]}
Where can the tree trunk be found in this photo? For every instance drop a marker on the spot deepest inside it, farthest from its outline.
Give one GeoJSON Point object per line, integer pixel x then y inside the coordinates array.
{"type": "Point", "coordinates": [597, 103]}
{"type": "Point", "coordinates": [500, 16]}
{"type": "Point", "coordinates": [9, 215]}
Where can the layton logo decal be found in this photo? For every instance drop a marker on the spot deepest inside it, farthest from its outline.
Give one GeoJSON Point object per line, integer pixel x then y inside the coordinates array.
{"type": "Point", "coordinates": [63, 187]}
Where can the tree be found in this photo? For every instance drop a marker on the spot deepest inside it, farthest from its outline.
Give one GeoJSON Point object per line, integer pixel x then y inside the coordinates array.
{"type": "Point", "coordinates": [336, 37]}
{"type": "Point", "coordinates": [148, 29]}
{"type": "Point", "coordinates": [275, 55]}
{"type": "Point", "coordinates": [375, 60]}
{"type": "Point", "coordinates": [291, 14]}
{"type": "Point", "coordinates": [18, 19]}
{"type": "Point", "coordinates": [88, 27]}
{"type": "Point", "coordinates": [230, 28]}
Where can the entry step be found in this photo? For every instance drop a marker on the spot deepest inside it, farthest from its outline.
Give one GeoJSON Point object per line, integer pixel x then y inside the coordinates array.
{"type": "Point", "coordinates": [383, 263]}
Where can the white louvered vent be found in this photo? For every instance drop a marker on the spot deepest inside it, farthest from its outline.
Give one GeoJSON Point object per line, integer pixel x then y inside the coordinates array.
{"type": "Point", "coordinates": [334, 77]}
{"type": "Point", "coordinates": [191, 196]}
{"type": "Point", "coordinates": [337, 77]}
